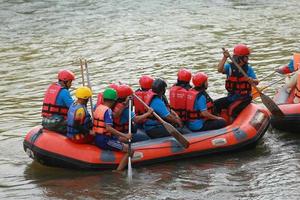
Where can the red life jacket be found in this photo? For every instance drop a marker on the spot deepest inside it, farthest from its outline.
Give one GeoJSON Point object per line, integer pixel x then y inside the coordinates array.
{"type": "Point", "coordinates": [178, 101]}
{"type": "Point", "coordinates": [192, 95]}
{"type": "Point", "coordinates": [49, 104]}
{"type": "Point", "coordinates": [99, 99]}
{"type": "Point", "coordinates": [119, 107]}
{"type": "Point", "coordinates": [236, 83]}
{"type": "Point", "coordinates": [138, 106]}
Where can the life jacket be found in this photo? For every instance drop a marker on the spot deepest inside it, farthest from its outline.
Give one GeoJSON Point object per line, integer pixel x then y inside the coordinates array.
{"type": "Point", "coordinates": [99, 99]}
{"type": "Point", "coordinates": [297, 89]}
{"type": "Point", "coordinates": [71, 119]}
{"type": "Point", "coordinates": [178, 100]}
{"type": "Point", "coordinates": [192, 95]}
{"type": "Point", "coordinates": [49, 104]}
{"type": "Point", "coordinates": [98, 123]}
{"type": "Point", "coordinates": [119, 107]}
{"type": "Point", "coordinates": [236, 82]}
{"type": "Point", "coordinates": [296, 58]}
{"type": "Point", "coordinates": [138, 106]}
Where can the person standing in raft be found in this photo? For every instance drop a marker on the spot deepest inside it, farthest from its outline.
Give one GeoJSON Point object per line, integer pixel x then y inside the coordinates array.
{"type": "Point", "coordinates": [199, 107]}
{"type": "Point", "coordinates": [107, 137]}
{"type": "Point", "coordinates": [121, 114]}
{"type": "Point", "coordinates": [178, 93]}
{"type": "Point", "coordinates": [294, 81]}
{"type": "Point", "coordinates": [56, 103]}
{"type": "Point", "coordinates": [79, 120]}
{"type": "Point", "coordinates": [157, 100]}
{"type": "Point", "coordinates": [238, 86]}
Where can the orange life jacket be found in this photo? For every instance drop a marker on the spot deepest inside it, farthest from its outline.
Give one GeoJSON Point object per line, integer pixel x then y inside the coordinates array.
{"type": "Point", "coordinates": [296, 58]}
{"type": "Point", "coordinates": [49, 104]}
{"type": "Point", "coordinates": [138, 106]}
{"type": "Point", "coordinates": [192, 95]}
{"type": "Point", "coordinates": [98, 123]}
{"type": "Point", "coordinates": [119, 107]}
{"type": "Point", "coordinates": [178, 101]}
{"type": "Point", "coordinates": [236, 83]}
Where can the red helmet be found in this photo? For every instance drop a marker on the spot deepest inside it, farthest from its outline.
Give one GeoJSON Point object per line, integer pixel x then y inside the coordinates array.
{"type": "Point", "coordinates": [113, 86]}
{"type": "Point", "coordinates": [124, 91]}
{"type": "Point", "coordinates": [241, 50]}
{"type": "Point", "coordinates": [184, 75]}
{"type": "Point", "coordinates": [146, 82]}
{"type": "Point", "coordinates": [199, 79]}
{"type": "Point", "coordinates": [65, 75]}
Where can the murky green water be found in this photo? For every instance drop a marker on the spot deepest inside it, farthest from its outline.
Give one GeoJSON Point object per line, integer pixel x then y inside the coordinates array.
{"type": "Point", "coordinates": [125, 39]}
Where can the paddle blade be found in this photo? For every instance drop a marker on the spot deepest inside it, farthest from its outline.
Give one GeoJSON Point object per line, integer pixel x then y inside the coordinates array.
{"type": "Point", "coordinates": [177, 135]}
{"type": "Point", "coordinates": [271, 105]}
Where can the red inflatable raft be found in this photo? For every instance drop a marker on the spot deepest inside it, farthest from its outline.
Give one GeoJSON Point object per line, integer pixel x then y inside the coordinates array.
{"type": "Point", "coordinates": [290, 121]}
{"type": "Point", "coordinates": [53, 149]}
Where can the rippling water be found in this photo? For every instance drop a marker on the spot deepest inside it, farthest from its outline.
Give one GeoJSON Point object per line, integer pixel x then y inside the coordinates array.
{"type": "Point", "coordinates": [123, 40]}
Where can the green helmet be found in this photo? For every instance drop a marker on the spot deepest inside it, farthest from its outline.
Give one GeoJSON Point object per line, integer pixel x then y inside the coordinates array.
{"type": "Point", "coordinates": [110, 94]}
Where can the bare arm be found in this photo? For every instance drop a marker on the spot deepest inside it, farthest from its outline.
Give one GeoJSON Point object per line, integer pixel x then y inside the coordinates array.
{"type": "Point", "coordinates": [208, 115]}
{"type": "Point", "coordinates": [222, 62]}
{"type": "Point", "coordinates": [174, 120]}
{"type": "Point", "coordinates": [115, 132]}
{"type": "Point", "coordinates": [140, 118]}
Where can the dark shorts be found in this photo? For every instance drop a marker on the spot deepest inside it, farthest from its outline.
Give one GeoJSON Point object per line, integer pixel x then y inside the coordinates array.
{"type": "Point", "coordinates": [108, 143]}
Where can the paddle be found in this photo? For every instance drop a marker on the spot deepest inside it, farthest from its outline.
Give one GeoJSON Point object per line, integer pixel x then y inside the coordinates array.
{"type": "Point", "coordinates": [129, 172]}
{"type": "Point", "coordinates": [90, 86]}
{"type": "Point", "coordinates": [256, 94]}
{"type": "Point", "coordinates": [267, 101]}
{"type": "Point", "coordinates": [82, 74]}
{"type": "Point", "coordinates": [171, 129]}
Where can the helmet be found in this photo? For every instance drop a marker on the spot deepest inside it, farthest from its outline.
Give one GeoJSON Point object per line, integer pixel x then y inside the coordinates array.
{"type": "Point", "coordinates": [241, 50]}
{"type": "Point", "coordinates": [159, 85]}
{"type": "Point", "coordinates": [199, 79]}
{"type": "Point", "coordinates": [110, 94]}
{"type": "Point", "coordinates": [83, 92]}
{"type": "Point", "coordinates": [146, 82]}
{"type": "Point", "coordinates": [184, 75]}
{"type": "Point", "coordinates": [65, 75]}
{"type": "Point", "coordinates": [113, 86]}
{"type": "Point", "coordinates": [124, 91]}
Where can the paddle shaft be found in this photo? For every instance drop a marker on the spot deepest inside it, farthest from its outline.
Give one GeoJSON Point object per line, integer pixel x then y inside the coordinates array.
{"type": "Point", "coordinates": [265, 87]}
{"type": "Point", "coordinates": [82, 73]}
{"type": "Point", "coordinates": [89, 84]}
{"type": "Point", "coordinates": [129, 142]}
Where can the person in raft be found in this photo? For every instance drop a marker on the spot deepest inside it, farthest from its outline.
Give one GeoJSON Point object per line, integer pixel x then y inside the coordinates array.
{"type": "Point", "coordinates": [294, 80]}
{"type": "Point", "coordinates": [199, 107]}
{"type": "Point", "coordinates": [56, 103]}
{"type": "Point", "coordinates": [157, 100]}
{"type": "Point", "coordinates": [238, 86]}
{"type": "Point", "coordinates": [79, 120]}
{"type": "Point", "coordinates": [121, 114]}
{"type": "Point", "coordinates": [145, 83]}
{"type": "Point", "coordinates": [107, 137]}
{"type": "Point", "coordinates": [178, 93]}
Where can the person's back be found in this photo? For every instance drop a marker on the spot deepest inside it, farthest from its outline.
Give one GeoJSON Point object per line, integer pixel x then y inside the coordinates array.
{"type": "Point", "coordinates": [79, 121]}
{"type": "Point", "coordinates": [57, 101]}
{"type": "Point", "coordinates": [178, 93]}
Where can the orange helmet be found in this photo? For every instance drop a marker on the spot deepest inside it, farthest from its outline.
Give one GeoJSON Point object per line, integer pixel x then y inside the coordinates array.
{"type": "Point", "coordinates": [184, 75]}
{"type": "Point", "coordinates": [124, 91]}
{"type": "Point", "coordinates": [199, 79]}
{"type": "Point", "coordinates": [146, 82]}
{"type": "Point", "coordinates": [241, 50]}
{"type": "Point", "coordinates": [65, 75]}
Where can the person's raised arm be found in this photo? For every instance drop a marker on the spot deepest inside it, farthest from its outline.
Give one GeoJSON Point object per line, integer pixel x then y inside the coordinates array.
{"type": "Point", "coordinates": [222, 62]}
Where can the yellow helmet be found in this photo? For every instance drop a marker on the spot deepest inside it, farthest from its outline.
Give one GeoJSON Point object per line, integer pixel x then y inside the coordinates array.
{"type": "Point", "coordinates": [83, 92]}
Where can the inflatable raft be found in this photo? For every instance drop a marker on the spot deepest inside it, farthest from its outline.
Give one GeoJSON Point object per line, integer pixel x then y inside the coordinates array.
{"type": "Point", "coordinates": [53, 149]}
{"type": "Point", "coordinates": [291, 119]}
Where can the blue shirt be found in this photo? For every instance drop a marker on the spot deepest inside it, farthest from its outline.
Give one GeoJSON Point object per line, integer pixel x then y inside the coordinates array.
{"type": "Point", "coordinates": [250, 73]}
{"type": "Point", "coordinates": [200, 104]}
{"type": "Point", "coordinates": [291, 65]}
{"type": "Point", "coordinates": [125, 116]}
{"type": "Point", "coordinates": [108, 117]}
{"type": "Point", "coordinates": [64, 98]}
{"type": "Point", "coordinates": [159, 106]}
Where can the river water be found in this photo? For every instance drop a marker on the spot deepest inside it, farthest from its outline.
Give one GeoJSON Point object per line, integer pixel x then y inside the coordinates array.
{"type": "Point", "coordinates": [124, 40]}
